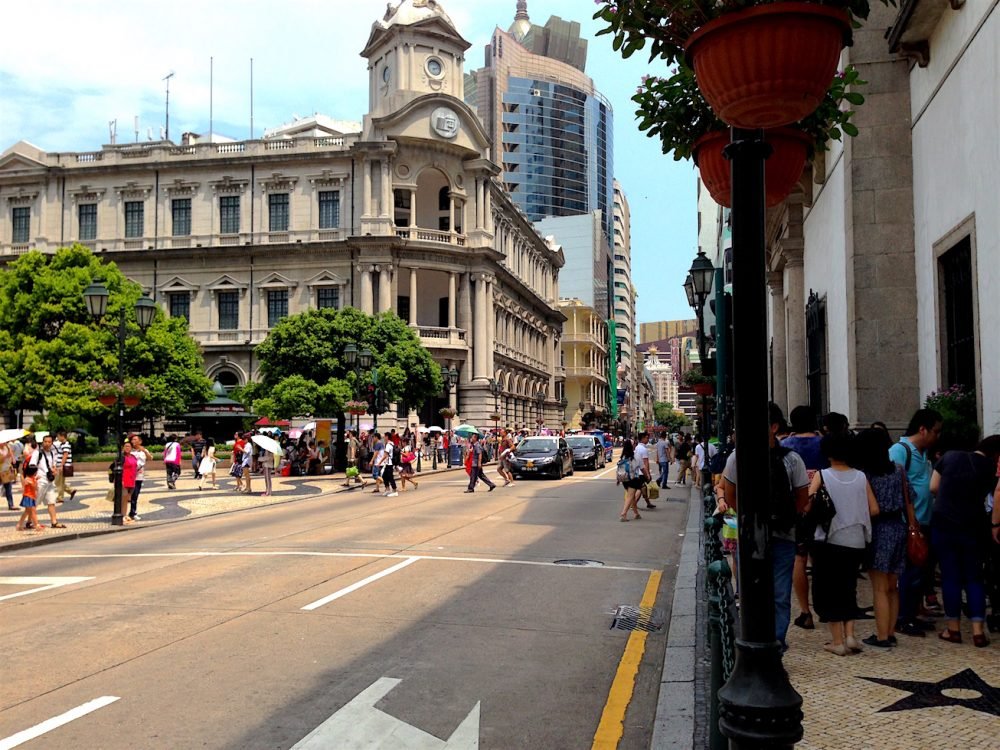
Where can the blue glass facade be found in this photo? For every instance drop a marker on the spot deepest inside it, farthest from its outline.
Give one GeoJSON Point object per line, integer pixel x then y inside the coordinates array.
{"type": "Point", "coordinates": [556, 150]}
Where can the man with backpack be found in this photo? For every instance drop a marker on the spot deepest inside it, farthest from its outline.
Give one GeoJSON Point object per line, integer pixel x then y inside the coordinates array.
{"type": "Point", "coordinates": [789, 497]}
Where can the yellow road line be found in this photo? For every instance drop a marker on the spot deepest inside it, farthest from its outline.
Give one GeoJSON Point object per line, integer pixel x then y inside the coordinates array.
{"type": "Point", "coordinates": [612, 725]}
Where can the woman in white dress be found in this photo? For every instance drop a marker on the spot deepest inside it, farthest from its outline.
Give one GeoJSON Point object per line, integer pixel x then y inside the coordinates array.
{"type": "Point", "coordinates": [207, 467]}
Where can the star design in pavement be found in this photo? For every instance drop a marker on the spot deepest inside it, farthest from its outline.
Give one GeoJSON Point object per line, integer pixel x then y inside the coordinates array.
{"type": "Point", "coordinates": [932, 694]}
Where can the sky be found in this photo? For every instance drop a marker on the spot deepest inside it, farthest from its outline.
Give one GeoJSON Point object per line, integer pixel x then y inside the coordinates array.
{"type": "Point", "coordinates": [107, 62]}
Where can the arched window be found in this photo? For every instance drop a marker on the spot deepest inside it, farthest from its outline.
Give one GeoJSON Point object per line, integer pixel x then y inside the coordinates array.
{"type": "Point", "coordinates": [228, 379]}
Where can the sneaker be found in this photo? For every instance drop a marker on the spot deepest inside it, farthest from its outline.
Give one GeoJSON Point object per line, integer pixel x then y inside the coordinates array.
{"type": "Point", "coordinates": [72, 494]}
{"type": "Point", "coordinates": [136, 518]}
{"type": "Point", "coordinates": [873, 640]}
{"type": "Point", "coordinates": [393, 494]}
{"type": "Point", "coordinates": [911, 629]}
{"type": "Point", "coordinates": [492, 487]}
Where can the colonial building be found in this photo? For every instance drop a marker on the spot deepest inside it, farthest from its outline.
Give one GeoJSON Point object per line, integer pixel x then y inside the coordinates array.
{"type": "Point", "coordinates": [402, 212]}
{"type": "Point", "coordinates": [623, 304]}
{"type": "Point", "coordinates": [585, 357]}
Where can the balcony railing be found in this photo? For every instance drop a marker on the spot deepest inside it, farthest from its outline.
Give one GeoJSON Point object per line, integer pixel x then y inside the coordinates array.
{"type": "Point", "coordinates": [519, 356]}
{"type": "Point", "coordinates": [586, 372]}
{"type": "Point", "coordinates": [430, 235]}
{"type": "Point", "coordinates": [435, 336]}
{"type": "Point", "coordinates": [572, 337]}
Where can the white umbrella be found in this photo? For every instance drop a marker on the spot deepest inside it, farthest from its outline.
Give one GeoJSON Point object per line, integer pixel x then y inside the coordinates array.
{"type": "Point", "coordinates": [435, 428]}
{"type": "Point", "coordinates": [267, 443]}
{"type": "Point", "coordinates": [40, 435]}
{"type": "Point", "coordinates": [14, 433]}
{"type": "Point", "coordinates": [308, 426]}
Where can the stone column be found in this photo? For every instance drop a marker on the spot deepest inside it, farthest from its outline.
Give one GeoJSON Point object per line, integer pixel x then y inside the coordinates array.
{"type": "Point", "coordinates": [779, 375]}
{"type": "Point", "coordinates": [491, 330]}
{"type": "Point", "coordinates": [487, 206]}
{"type": "Point", "coordinates": [479, 340]}
{"type": "Point", "coordinates": [366, 198]}
{"type": "Point", "coordinates": [366, 288]}
{"type": "Point", "coordinates": [795, 327]}
{"type": "Point", "coordinates": [413, 296]}
{"type": "Point", "coordinates": [384, 289]}
{"type": "Point", "coordinates": [465, 322]}
{"type": "Point", "coordinates": [479, 203]}
{"type": "Point", "coordinates": [451, 299]}
{"type": "Point", "coordinates": [413, 210]}
{"type": "Point", "coordinates": [386, 190]}
{"type": "Point", "coordinates": [451, 212]}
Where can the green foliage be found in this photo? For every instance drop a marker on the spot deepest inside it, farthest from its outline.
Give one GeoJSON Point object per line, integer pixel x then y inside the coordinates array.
{"type": "Point", "coordinates": [959, 413]}
{"type": "Point", "coordinates": [674, 110]}
{"type": "Point", "coordinates": [51, 349]}
{"type": "Point", "coordinates": [303, 372]}
{"type": "Point", "coordinates": [694, 376]}
{"type": "Point", "coordinates": [668, 417]}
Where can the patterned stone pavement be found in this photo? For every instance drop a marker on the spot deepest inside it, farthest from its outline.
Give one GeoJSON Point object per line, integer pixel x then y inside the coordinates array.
{"type": "Point", "coordinates": [897, 699]}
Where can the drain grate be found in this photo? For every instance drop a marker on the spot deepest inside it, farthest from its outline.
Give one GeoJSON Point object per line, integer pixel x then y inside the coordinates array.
{"type": "Point", "coordinates": [648, 619]}
{"type": "Point", "coordinates": [580, 563]}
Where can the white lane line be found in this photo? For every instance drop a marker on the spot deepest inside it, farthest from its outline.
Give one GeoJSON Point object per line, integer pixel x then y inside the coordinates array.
{"type": "Point", "coordinates": [40, 583]}
{"type": "Point", "coordinates": [363, 582]}
{"type": "Point", "coordinates": [289, 553]}
{"type": "Point", "coordinates": [54, 723]}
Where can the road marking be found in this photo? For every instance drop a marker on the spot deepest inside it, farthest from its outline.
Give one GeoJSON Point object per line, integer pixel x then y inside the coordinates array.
{"type": "Point", "coordinates": [40, 584]}
{"type": "Point", "coordinates": [54, 723]}
{"type": "Point", "coordinates": [290, 553]}
{"type": "Point", "coordinates": [363, 582]}
{"type": "Point", "coordinates": [612, 724]}
{"type": "Point", "coordinates": [361, 726]}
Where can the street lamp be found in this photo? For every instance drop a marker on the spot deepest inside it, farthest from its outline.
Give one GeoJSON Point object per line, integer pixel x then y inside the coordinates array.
{"type": "Point", "coordinates": [697, 287]}
{"type": "Point", "coordinates": [563, 403]}
{"type": "Point", "coordinates": [96, 296]}
{"type": "Point", "coordinates": [496, 389]}
{"type": "Point", "coordinates": [540, 398]}
{"type": "Point", "coordinates": [360, 361]}
{"type": "Point", "coordinates": [450, 377]}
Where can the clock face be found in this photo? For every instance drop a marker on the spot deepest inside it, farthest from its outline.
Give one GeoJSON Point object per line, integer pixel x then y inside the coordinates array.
{"type": "Point", "coordinates": [386, 74]}
{"type": "Point", "coordinates": [434, 67]}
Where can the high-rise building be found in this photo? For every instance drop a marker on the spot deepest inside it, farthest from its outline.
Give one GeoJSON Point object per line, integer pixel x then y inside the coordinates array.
{"type": "Point", "coordinates": [552, 130]}
{"type": "Point", "coordinates": [623, 304]}
{"type": "Point", "coordinates": [666, 329]}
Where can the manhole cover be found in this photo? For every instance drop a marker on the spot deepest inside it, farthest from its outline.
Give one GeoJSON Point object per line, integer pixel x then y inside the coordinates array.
{"type": "Point", "coordinates": [649, 619]}
{"type": "Point", "coordinates": [581, 563]}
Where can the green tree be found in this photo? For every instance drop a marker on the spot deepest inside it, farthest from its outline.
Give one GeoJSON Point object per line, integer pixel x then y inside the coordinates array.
{"type": "Point", "coordinates": [51, 348]}
{"type": "Point", "coordinates": [302, 370]}
{"type": "Point", "coordinates": [668, 417]}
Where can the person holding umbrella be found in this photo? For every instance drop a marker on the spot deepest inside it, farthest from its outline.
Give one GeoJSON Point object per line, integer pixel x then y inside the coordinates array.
{"type": "Point", "coordinates": [269, 448]}
{"type": "Point", "coordinates": [476, 465]}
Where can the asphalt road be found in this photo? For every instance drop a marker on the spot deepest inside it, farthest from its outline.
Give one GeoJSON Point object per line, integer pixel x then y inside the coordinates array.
{"type": "Point", "coordinates": [434, 619]}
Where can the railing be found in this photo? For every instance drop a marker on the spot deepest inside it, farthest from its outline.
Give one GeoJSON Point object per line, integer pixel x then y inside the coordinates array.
{"type": "Point", "coordinates": [430, 235]}
{"type": "Point", "coordinates": [586, 372]}
{"type": "Point", "coordinates": [438, 336]}
{"type": "Point", "coordinates": [578, 337]}
{"type": "Point", "coordinates": [721, 614]}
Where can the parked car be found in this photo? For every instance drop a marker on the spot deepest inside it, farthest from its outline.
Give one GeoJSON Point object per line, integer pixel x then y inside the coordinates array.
{"type": "Point", "coordinates": [535, 456]}
{"type": "Point", "coordinates": [606, 440]}
{"type": "Point", "coordinates": [588, 451]}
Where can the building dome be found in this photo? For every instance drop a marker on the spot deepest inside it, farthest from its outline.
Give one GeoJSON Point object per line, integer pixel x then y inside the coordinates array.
{"type": "Point", "coordinates": [522, 24]}
{"type": "Point", "coordinates": [409, 12]}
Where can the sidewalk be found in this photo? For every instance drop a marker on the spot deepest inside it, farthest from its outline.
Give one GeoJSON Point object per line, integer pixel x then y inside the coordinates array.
{"type": "Point", "coordinates": [901, 698]}
{"type": "Point", "coordinates": [90, 513]}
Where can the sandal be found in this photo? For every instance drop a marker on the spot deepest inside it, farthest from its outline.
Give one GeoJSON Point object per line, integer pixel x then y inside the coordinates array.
{"type": "Point", "coordinates": [805, 621]}
{"type": "Point", "coordinates": [637, 517]}
{"type": "Point", "coordinates": [57, 526]}
{"type": "Point", "coordinates": [952, 636]}
{"type": "Point", "coordinates": [623, 519]}
{"type": "Point", "coordinates": [980, 640]}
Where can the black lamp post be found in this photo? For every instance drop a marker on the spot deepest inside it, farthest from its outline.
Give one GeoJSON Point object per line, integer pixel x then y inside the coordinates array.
{"type": "Point", "coordinates": [563, 403]}
{"type": "Point", "coordinates": [96, 296]}
{"type": "Point", "coordinates": [758, 705]}
{"type": "Point", "coordinates": [540, 398]}
{"type": "Point", "coordinates": [450, 377]}
{"type": "Point", "coordinates": [698, 286]}
{"type": "Point", "coordinates": [496, 389]}
{"type": "Point", "coordinates": [360, 361]}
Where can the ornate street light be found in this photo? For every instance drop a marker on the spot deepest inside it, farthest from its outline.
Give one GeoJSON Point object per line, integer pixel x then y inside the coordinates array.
{"type": "Point", "coordinates": [540, 398]}
{"type": "Point", "coordinates": [96, 296]}
{"type": "Point", "coordinates": [450, 377]}
{"type": "Point", "coordinates": [496, 389]}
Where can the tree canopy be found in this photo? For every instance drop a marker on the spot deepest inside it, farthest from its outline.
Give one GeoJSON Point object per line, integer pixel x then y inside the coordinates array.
{"type": "Point", "coordinates": [302, 368]}
{"type": "Point", "coordinates": [668, 417]}
{"type": "Point", "coordinates": [51, 348]}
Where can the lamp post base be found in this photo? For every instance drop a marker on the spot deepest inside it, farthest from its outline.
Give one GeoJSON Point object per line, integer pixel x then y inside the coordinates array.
{"type": "Point", "coordinates": [758, 707]}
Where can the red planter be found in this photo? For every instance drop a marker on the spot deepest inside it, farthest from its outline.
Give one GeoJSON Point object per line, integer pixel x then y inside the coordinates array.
{"type": "Point", "coordinates": [107, 400]}
{"type": "Point", "coordinates": [768, 65]}
{"type": "Point", "coordinates": [703, 389]}
{"type": "Point", "coordinates": [131, 401]}
{"type": "Point", "coordinates": [782, 169]}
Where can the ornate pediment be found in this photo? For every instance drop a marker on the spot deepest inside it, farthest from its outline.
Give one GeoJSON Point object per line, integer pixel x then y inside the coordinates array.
{"type": "Point", "coordinates": [23, 196]}
{"type": "Point", "coordinates": [133, 191]}
{"type": "Point", "coordinates": [177, 284]}
{"type": "Point", "coordinates": [229, 186]}
{"type": "Point", "coordinates": [436, 118]}
{"type": "Point", "coordinates": [276, 281]}
{"type": "Point", "coordinates": [326, 278]}
{"type": "Point", "coordinates": [226, 283]}
{"type": "Point", "coordinates": [328, 178]}
{"type": "Point", "coordinates": [181, 188]}
{"type": "Point", "coordinates": [87, 194]}
{"type": "Point", "coordinates": [278, 183]}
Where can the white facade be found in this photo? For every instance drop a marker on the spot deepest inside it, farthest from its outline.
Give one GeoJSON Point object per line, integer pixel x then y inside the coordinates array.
{"type": "Point", "coordinates": [400, 214]}
{"type": "Point", "coordinates": [623, 302]}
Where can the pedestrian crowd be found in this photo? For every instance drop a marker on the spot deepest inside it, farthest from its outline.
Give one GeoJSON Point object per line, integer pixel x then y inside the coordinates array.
{"type": "Point", "coordinates": [912, 517]}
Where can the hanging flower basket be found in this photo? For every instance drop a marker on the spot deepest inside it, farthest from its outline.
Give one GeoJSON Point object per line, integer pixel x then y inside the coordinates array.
{"type": "Point", "coordinates": [768, 65]}
{"type": "Point", "coordinates": [131, 401]}
{"type": "Point", "coordinates": [703, 389]}
{"type": "Point", "coordinates": [107, 400]}
{"type": "Point", "coordinates": [356, 408]}
{"type": "Point", "coordinates": [447, 413]}
{"type": "Point", "coordinates": [133, 392]}
{"type": "Point", "coordinates": [782, 169]}
{"type": "Point", "coordinates": [495, 417]}
{"type": "Point", "coordinates": [106, 392]}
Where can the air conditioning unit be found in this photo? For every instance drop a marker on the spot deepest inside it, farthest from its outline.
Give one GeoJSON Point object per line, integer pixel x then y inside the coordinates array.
{"type": "Point", "coordinates": [536, 92]}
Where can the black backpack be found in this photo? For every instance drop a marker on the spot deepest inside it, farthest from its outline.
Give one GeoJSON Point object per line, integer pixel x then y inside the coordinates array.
{"type": "Point", "coordinates": [783, 511]}
{"type": "Point", "coordinates": [717, 463]}
{"type": "Point", "coordinates": [683, 452]}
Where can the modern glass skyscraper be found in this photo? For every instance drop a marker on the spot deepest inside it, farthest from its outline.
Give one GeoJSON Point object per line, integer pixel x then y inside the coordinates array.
{"type": "Point", "coordinates": [552, 130]}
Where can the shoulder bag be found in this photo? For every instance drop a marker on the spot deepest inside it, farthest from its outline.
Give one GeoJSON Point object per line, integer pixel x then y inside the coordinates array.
{"type": "Point", "coordinates": [916, 545]}
{"type": "Point", "coordinates": [822, 510]}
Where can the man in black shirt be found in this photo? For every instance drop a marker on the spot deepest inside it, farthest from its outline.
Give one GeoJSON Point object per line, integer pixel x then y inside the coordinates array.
{"type": "Point", "coordinates": [197, 449]}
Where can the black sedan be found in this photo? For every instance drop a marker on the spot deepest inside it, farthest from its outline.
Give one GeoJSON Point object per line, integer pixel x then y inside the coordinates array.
{"type": "Point", "coordinates": [588, 451]}
{"type": "Point", "coordinates": [536, 456]}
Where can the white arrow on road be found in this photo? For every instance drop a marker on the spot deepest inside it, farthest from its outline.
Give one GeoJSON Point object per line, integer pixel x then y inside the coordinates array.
{"type": "Point", "coordinates": [361, 726]}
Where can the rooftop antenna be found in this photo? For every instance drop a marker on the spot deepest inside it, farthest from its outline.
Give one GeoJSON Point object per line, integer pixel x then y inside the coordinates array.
{"type": "Point", "coordinates": [113, 130]}
{"type": "Point", "coordinates": [251, 98]}
{"type": "Point", "coordinates": [167, 78]}
{"type": "Point", "coordinates": [137, 128]}
{"type": "Point", "coordinates": [211, 83]}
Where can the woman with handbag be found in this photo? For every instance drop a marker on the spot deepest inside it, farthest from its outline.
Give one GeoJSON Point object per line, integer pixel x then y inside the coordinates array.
{"type": "Point", "coordinates": [7, 474]}
{"type": "Point", "coordinates": [960, 482]}
{"type": "Point", "coordinates": [889, 530]}
{"type": "Point", "coordinates": [406, 472]}
{"type": "Point", "coordinates": [840, 547]}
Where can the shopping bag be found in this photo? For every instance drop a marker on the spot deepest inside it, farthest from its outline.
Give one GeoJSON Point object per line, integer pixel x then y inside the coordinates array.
{"type": "Point", "coordinates": [654, 491]}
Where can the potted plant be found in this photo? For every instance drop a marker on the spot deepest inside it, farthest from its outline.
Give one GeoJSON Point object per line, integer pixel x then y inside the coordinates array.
{"type": "Point", "coordinates": [133, 392]}
{"type": "Point", "coordinates": [106, 391]}
{"type": "Point", "coordinates": [703, 385]}
{"type": "Point", "coordinates": [495, 417]}
{"type": "Point", "coordinates": [356, 407]}
{"type": "Point", "coordinates": [674, 109]}
{"type": "Point", "coordinates": [447, 412]}
{"type": "Point", "coordinates": [759, 63]}
{"type": "Point", "coordinates": [959, 414]}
